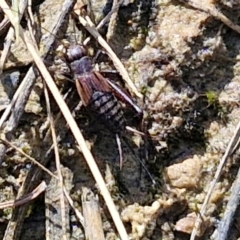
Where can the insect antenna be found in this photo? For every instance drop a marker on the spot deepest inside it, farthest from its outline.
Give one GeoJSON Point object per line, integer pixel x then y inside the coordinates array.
{"type": "Point", "coordinates": [139, 159]}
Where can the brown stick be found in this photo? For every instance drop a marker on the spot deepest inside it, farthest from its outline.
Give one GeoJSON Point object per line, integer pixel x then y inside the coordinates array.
{"type": "Point", "coordinates": [92, 217]}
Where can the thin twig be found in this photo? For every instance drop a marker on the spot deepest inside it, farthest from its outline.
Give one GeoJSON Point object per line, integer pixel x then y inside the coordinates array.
{"type": "Point", "coordinates": [16, 14]}
{"type": "Point", "coordinates": [70, 201]}
{"type": "Point", "coordinates": [10, 36]}
{"type": "Point", "coordinates": [107, 18]}
{"type": "Point", "coordinates": [56, 227]}
{"type": "Point", "coordinates": [221, 233]}
{"type": "Point", "coordinates": [3, 139]}
{"type": "Point", "coordinates": [4, 24]}
{"type": "Point", "coordinates": [25, 87]}
{"type": "Point", "coordinates": [103, 21]}
{"type": "Point", "coordinates": [72, 124]}
{"type": "Point", "coordinates": [212, 10]}
{"type": "Point", "coordinates": [230, 149]}
{"type": "Point", "coordinates": [31, 30]}
{"type": "Point", "coordinates": [25, 199]}
{"type": "Point", "coordinates": [14, 226]}
{"type": "Point", "coordinates": [30, 10]}
{"type": "Point", "coordinates": [57, 160]}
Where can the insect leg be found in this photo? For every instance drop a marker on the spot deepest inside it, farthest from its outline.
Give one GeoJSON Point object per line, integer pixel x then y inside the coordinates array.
{"type": "Point", "coordinates": [138, 158]}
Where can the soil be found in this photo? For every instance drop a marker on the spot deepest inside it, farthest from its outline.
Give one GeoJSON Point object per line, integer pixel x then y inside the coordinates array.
{"type": "Point", "coordinates": [184, 61]}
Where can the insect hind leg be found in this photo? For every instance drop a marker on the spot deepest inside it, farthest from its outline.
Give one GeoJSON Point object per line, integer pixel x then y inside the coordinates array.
{"type": "Point", "coordinates": [139, 159]}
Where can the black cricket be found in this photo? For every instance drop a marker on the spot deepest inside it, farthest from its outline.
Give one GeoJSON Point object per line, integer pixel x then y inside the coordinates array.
{"type": "Point", "coordinates": [97, 93]}
{"type": "Point", "coordinates": [101, 95]}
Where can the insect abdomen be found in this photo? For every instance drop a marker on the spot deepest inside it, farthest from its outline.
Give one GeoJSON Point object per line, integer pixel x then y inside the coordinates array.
{"type": "Point", "coordinates": [106, 106]}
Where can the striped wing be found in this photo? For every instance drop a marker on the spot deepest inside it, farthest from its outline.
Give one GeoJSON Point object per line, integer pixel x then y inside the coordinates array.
{"type": "Point", "coordinates": [89, 82]}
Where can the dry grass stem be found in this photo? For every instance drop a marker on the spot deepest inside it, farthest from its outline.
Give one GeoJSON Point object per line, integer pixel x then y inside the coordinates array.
{"type": "Point", "coordinates": [15, 224]}
{"type": "Point", "coordinates": [27, 156]}
{"type": "Point", "coordinates": [104, 21]}
{"type": "Point", "coordinates": [13, 101]}
{"type": "Point", "coordinates": [70, 201]}
{"type": "Point", "coordinates": [25, 199]}
{"type": "Point", "coordinates": [108, 16]}
{"type": "Point", "coordinates": [221, 233]}
{"type": "Point", "coordinates": [10, 36]}
{"type": "Point", "coordinates": [135, 131]}
{"type": "Point", "coordinates": [72, 124]}
{"type": "Point", "coordinates": [15, 8]}
{"type": "Point", "coordinates": [233, 144]}
{"type": "Point", "coordinates": [212, 10]}
{"type": "Point", "coordinates": [57, 160]}
{"type": "Point", "coordinates": [30, 11]}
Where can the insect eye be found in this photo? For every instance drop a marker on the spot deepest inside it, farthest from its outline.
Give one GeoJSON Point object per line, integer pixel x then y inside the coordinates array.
{"type": "Point", "coordinates": [75, 52]}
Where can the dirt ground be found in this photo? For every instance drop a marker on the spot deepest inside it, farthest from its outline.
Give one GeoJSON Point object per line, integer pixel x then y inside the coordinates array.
{"type": "Point", "coordinates": [183, 57]}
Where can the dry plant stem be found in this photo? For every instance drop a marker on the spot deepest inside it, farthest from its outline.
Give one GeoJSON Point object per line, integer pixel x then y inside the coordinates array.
{"type": "Point", "coordinates": [26, 85]}
{"type": "Point", "coordinates": [6, 49]}
{"type": "Point", "coordinates": [210, 8]}
{"type": "Point", "coordinates": [4, 24]}
{"type": "Point", "coordinates": [70, 201]}
{"type": "Point", "coordinates": [17, 18]}
{"type": "Point", "coordinates": [30, 158]}
{"type": "Point", "coordinates": [72, 124]}
{"type": "Point", "coordinates": [108, 17]}
{"type": "Point", "coordinates": [223, 227]}
{"type": "Point", "coordinates": [26, 198]}
{"type": "Point", "coordinates": [31, 31]}
{"type": "Point", "coordinates": [104, 21]}
{"type": "Point", "coordinates": [57, 160]}
{"type": "Point", "coordinates": [25, 89]}
{"type": "Point", "coordinates": [232, 146]}
{"type": "Point", "coordinates": [16, 107]}
{"type": "Point", "coordinates": [53, 208]}
{"type": "Point", "coordinates": [117, 63]}
{"type": "Point", "coordinates": [19, 100]}
{"type": "Point", "coordinates": [92, 217]}
{"type": "Point", "coordinates": [56, 120]}
{"type": "Point", "coordinates": [30, 10]}
{"type": "Point", "coordinates": [10, 36]}
{"type": "Point", "coordinates": [15, 224]}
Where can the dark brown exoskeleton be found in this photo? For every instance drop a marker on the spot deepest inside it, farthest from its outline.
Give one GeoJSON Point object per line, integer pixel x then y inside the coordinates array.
{"type": "Point", "coordinates": [98, 93]}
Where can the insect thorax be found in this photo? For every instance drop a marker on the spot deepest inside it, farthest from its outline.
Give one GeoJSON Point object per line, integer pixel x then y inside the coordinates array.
{"type": "Point", "coordinates": [82, 65]}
